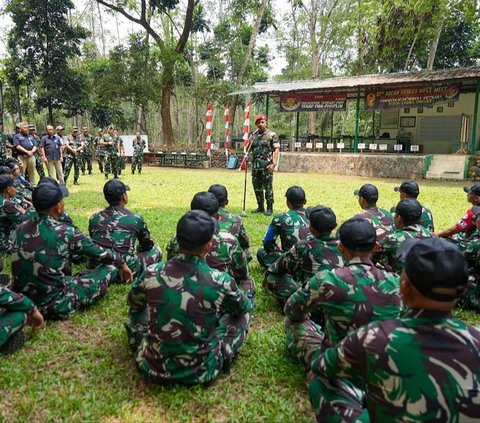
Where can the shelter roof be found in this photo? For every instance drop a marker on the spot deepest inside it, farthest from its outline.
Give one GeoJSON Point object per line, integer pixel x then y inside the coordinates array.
{"type": "Point", "coordinates": [350, 83]}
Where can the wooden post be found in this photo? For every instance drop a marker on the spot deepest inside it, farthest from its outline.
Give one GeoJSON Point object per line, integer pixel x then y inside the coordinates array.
{"type": "Point", "coordinates": [357, 114]}
{"type": "Point", "coordinates": [475, 120]}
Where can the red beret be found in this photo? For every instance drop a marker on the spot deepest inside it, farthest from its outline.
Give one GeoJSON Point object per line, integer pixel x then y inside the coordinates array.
{"type": "Point", "coordinates": [259, 118]}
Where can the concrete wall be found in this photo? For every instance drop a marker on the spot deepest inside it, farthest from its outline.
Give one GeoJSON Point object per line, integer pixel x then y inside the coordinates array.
{"type": "Point", "coordinates": [377, 165]}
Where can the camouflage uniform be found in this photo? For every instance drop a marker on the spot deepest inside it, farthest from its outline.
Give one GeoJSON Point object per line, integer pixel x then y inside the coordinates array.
{"type": "Point", "coordinates": [40, 256]}
{"type": "Point", "coordinates": [381, 219]}
{"type": "Point", "coordinates": [263, 147]}
{"type": "Point", "coordinates": [87, 153]}
{"type": "Point", "coordinates": [38, 158]}
{"type": "Point", "coordinates": [392, 241]}
{"type": "Point", "coordinates": [119, 229]}
{"type": "Point", "coordinates": [3, 149]}
{"type": "Point", "coordinates": [296, 266]}
{"type": "Point", "coordinates": [349, 297]}
{"type": "Point", "coordinates": [233, 224]}
{"type": "Point", "coordinates": [10, 217]}
{"type": "Point", "coordinates": [291, 226]}
{"type": "Point", "coordinates": [137, 159]}
{"type": "Point", "coordinates": [187, 321]}
{"type": "Point", "coordinates": [422, 367]}
{"type": "Point", "coordinates": [13, 308]}
{"type": "Point", "coordinates": [99, 153]}
{"type": "Point", "coordinates": [226, 255]}
{"type": "Point", "coordinates": [120, 159]}
{"type": "Point", "coordinates": [427, 219]}
{"type": "Point", "coordinates": [471, 249]}
{"type": "Point", "coordinates": [72, 160]}
{"type": "Point", "coordinates": [111, 157]}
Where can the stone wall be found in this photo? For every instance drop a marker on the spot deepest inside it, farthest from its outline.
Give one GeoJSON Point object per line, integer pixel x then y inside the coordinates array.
{"type": "Point", "coordinates": [400, 166]}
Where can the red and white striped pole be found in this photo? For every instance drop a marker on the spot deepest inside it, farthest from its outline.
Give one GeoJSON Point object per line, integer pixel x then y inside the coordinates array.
{"type": "Point", "coordinates": [208, 128]}
{"type": "Point", "coordinates": [246, 135]}
{"type": "Point", "coordinates": [227, 130]}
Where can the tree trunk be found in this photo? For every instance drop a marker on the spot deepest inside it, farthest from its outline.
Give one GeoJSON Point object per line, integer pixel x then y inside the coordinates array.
{"type": "Point", "coordinates": [167, 86]}
{"type": "Point", "coordinates": [436, 39]}
{"type": "Point", "coordinates": [17, 100]}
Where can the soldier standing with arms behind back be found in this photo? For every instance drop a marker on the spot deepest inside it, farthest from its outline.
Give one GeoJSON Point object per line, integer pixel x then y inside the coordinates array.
{"type": "Point", "coordinates": [87, 155]}
{"type": "Point", "coordinates": [137, 159]}
{"type": "Point", "coordinates": [265, 152]}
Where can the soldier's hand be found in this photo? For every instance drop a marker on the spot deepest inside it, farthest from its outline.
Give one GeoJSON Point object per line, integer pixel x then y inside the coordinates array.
{"type": "Point", "coordinates": [125, 274]}
{"type": "Point", "coordinates": [35, 319]}
{"type": "Point", "coordinates": [271, 168]}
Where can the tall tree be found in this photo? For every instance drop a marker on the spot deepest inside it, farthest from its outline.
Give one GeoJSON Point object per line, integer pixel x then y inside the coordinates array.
{"type": "Point", "coordinates": [171, 47]}
{"type": "Point", "coordinates": [46, 42]}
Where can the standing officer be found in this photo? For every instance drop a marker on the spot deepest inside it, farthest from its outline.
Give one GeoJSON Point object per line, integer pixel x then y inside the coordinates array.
{"type": "Point", "coordinates": [87, 155]}
{"type": "Point", "coordinates": [26, 148]}
{"type": "Point", "coordinates": [74, 148]}
{"type": "Point", "coordinates": [51, 151]}
{"type": "Point", "coordinates": [265, 153]}
{"type": "Point", "coordinates": [110, 153]}
{"type": "Point", "coordinates": [38, 157]}
{"type": "Point", "coordinates": [137, 159]}
{"type": "Point", "coordinates": [120, 162]}
{"type": "Point", "coordinates": [99, 151]}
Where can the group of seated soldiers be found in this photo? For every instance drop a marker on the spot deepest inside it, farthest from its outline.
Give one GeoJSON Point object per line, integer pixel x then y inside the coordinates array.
{"type": "Point", "coordinates": [367, 310]}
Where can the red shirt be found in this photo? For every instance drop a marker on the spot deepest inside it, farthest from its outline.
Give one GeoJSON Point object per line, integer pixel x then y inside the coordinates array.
{"type": "Point", "coordinates": [466, 222]}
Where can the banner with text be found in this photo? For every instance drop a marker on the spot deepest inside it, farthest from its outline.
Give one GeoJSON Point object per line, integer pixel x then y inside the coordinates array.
{"type": "Point", "coordinates": [311, 102]}
{"type": "Point", "coordinates": [420, 96]}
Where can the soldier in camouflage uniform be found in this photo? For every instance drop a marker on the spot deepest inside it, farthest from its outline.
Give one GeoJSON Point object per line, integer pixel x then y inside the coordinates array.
{"type": "Point", "coordinates": [119, 229]}
{"type": "Point", "coordinates": [229, 222]}
{"type": "Point", "coordinates": [87, 154]}
{"type": "Point", "coordinates": [348, 297]}
{"type": "Point", "coordinates": [226, 255]}
{"type": "Point", "coordinates": [41, 254]}
{"type": "Point", "coordinates": [265, 153]}
{"type": "Point", "coordinates": [137, 159]}
{"type": "Point", "coordinates": [465, 226]}
{"type": "Point", "coordinates": [291, 226]}
{"type": "Point", "coordinates": [3, 147]}
{"type": "Point", "coordinates": [11, 214]}
{"type": "Point", "coordinates": [16, 311]}
{"type": "Point", "coordinates": [407, 226]}
{"type": "Point", "coordinates": [410, 189]}
{"type": "Point", "coordinates": [38, 157]}
{"type": "Point", "coordinates": [421, 367]}
{"type": "Point", "coordinates": [319, 252]}
{"type": "Point", "coordinates": [187, 321]}
{"type": "Point", "coordinates": [23, 196]}
{"type": "Point", "coordinates": [121, 151]}
{"type": "Point", "coordinates": [99, 150]}
{"type": "Point", "coordinates": [74, 148]}
{"type": "Point", "coordinates": [110, 151]}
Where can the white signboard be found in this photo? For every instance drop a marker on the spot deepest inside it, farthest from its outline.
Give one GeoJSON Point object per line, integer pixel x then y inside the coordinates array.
{"type": "Point", "coordinates": [398, 147]}
{"type": "Point", "coordinates": [361, 145]}
{"type": "Point", "coordinates": [341, 145]}
{"type": "Point", "coordinates": [319, 145]}
{"type": "Point", "coordinates": [298, 144]}
{"type": "Point", "coordinates": [309, 145]}
{"type": "Point", "coordinates": [415, 148]}
{"type": "Point", "coordinates": [330, 146]}
{"type": "Point", "coordinates": [372, 146]}
{"type": "Point", "coordinates": [128, 144]}
{"type": "Point", "coordinates": [383, 147]}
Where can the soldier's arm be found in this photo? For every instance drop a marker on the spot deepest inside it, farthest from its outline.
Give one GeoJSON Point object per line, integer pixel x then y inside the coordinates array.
{"type": "Point", "coordinates": [14, 214]}
{"type": "Point", "coordinates": [172, 248]}
{"type": "Point", "coordinates": [290, 262]}
{"type": "Point", "coordinates": [239, 263]}
{"type": "Point", "coordinates": [136, 297]}
{"type": "Point", "coordinates": [273, 231]}
{"type": "Point", "coordinates": [145, 241]}
{"type": "Point", "coordinates": [233, 301]}
{"type": "Point", "coordinates": [11, 301]}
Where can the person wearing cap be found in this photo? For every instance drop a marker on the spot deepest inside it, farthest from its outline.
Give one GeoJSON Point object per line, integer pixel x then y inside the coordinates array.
{"type": "Point", "coordinates": [348, 297]}
{"type": "Point", "coordinates": [408, 214]}
{"type": "Point", "coordinates": [291, 227]}
{"type": "Point", "coordinates": [120, 162]}
{"type": "Point", "coordinates": [123, 231]}
{"type": "Point", "coordinates": [137, 159]}
{"type": "Point", "coordinates": [110, 151]}
{"type": "Point", "coordinates": [318, 252]}
{"type": "Point", "coordinates": [41, 254]}
{"type": "Point", "coordinates": [23, 195]}
{"type": "Point", "coordinates": [26, 147]}
{"type": "Point", "coordinates": [187, 321]}
{"type": "Point", "coordinates": [87, 156]}
{"type": "Point", "coordinates": [16, 311]}
{"type": "Point", "coordinates": [32, 133]}
{"type": "Point", "coordinates": [226, 254]}
{"type": "Point", "coordinates": [265, 148]}
{"type": "Point", "coordinates": [99, 150]}
{"type": "Point", "coordinates": [465, 226]}
{"type": "Point", "coordinates": [74, 148]}
{"type": "Point", "coordinates": [229, 222]}
{"type": "Point", "coordinates": [381, 219]}
{"type": "Point", "coordinates": [11, 214]}
{"type": "Point", "coordinates": [51, 151]}
{"type": "Point", "coordinates": [421, 366]}
{"type": "Point", "coordinates": [410, 189]}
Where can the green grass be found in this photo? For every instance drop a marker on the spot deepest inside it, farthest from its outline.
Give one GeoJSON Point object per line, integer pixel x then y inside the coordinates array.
{"type": "Point", "coordinates": [81, 369]}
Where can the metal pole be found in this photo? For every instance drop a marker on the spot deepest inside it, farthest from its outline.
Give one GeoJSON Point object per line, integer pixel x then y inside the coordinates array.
{"type": "Point", "coordinates": [297, 128]}
{"type": "Point", "coordinates": [266, 108]}
{"type": "Point", "coordinates": [357, 113]}
{"type": "Point", "coordinates": [475, 119]}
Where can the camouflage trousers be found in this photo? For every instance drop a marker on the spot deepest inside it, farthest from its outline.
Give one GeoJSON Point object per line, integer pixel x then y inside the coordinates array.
{"type": "Point", "coordinates": [11, 323]}
{"type": "Point", "coordinates": [281, 285]}
{"type": "Point", "coordinates": [267, 257]}
{"type": "Point", "coordinates": [137, 162]}
{"type": "Point", "coordinates": [303, 339]}
{"type": "Point", "coordinates": [139, 262]}
{"type": "Point", "coordinates": [262, 181]}
{"type": "Point", "coordinates": [81, 291]}
{"type": "Point", "coordinates": [39, 167]}
{"type": "Point", "coordinates": [111, 165]}
{"type": "Point", "coordinates": [337, 400]}
{"type": "Point", "coordinates": [69, 163]}
{"type": "Point", "coordinates": [231, 332]}
{"type": "Point", "coordinates": [101, 161]}
{"type": "Point", "coordinates": [86, 162]}
{"type": "Point", "coordinates": [471, 299]}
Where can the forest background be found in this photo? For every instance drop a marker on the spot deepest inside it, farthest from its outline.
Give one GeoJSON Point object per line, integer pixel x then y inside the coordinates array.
{"type": "Point", "coordinates": [66, 63]}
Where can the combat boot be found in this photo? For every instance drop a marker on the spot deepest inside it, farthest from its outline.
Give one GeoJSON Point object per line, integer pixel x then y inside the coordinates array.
{"type": "Point", "coordinates": [259, 209]}
{"type": "Point", "coordinates": [269, 210]}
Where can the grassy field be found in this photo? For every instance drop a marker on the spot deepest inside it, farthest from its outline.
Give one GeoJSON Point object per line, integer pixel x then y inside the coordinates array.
{"type": "Point", "coordinates": [81, 369]}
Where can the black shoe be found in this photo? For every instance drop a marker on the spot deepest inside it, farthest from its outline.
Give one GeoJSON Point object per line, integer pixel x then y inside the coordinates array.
{"type": "Point", "coordinates": [16, 342]}
{"type": "Point", "coordinates": [106, 176]}
{"type": "Point", "coordinates": [268, 212]}
{"type": "Point", "coordinates": [76, 183]}
{"type": "Point", "coordinates": [259, 210]}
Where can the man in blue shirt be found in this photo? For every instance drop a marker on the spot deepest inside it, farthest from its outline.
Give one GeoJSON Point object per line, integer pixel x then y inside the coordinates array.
{"type": "Point", "coordinates": [26, 148]}
{"type": "Point", "coordinates": [51, 151]}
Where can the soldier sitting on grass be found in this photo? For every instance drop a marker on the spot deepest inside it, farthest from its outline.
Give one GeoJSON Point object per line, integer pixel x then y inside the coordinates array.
{"type": "Point", "coordinates": [291, 227]}
{"type": "Point", "coordinates": [41, 255]}
{"type": "Point", "coordinates": [423, 366]}
{"type": "Point", "coordinates": [316, 253]}
{"type": "Point", "coordinates": [120, 229]}
{"type": "Point", "coordinates": [187, 321]}
{"type": "Point", "coordinates": [348, 297]}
